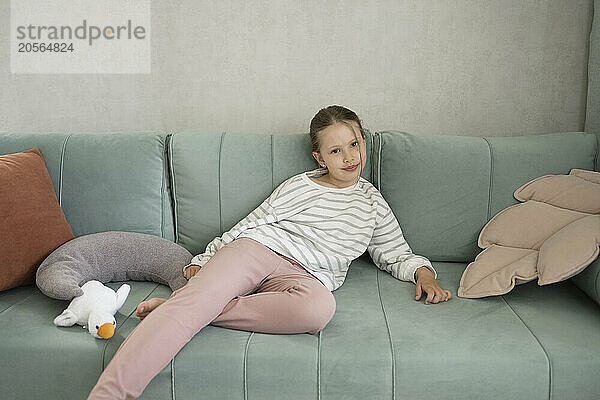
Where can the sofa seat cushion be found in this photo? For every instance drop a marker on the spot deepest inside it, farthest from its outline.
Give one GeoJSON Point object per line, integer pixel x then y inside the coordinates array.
{"type": "Point", "coordinates": [381, 341]}
{"type": "Point", "coordinates": [588, 280]}
{"type": "Point", "coordinates": [43, 361]}
{"type": "Point", "coordinates": [535, 343]}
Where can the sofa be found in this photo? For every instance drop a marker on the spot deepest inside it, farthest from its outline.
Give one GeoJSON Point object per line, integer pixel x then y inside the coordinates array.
{"type": "Point", "coordinates": [535, 342]}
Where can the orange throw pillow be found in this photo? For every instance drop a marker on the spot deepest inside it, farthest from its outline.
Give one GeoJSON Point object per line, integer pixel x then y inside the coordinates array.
{"type": "Point", "coordinates": [33, 224]}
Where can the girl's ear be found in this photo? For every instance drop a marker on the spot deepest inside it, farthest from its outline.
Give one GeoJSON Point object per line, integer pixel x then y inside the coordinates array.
{"type": "Point", "coordinates": [317, 156]}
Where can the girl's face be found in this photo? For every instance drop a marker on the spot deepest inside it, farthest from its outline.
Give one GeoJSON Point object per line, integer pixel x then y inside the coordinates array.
{"type": "Point", "coordinates": [340, 148]}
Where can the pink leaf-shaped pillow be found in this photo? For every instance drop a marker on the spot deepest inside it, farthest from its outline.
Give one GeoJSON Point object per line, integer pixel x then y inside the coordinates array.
{"type": "Point", "coordinates": [552, 236]}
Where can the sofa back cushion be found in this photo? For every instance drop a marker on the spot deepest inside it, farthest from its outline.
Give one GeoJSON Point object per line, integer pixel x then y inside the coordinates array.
{"type": "Point", "coordinates": [443, 189]}
{"type": "Point", "coordinates": [105, 181]}
{"type": "Point", "coordinates": [218, 178]}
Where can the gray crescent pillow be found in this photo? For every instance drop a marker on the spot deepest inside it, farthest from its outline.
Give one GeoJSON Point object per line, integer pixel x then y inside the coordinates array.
{"type": "Point", "coordinates": [111, 257]}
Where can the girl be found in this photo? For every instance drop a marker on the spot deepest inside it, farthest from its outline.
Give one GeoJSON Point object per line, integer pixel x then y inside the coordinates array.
{"type": "Point", "coordinates": [274, 271]}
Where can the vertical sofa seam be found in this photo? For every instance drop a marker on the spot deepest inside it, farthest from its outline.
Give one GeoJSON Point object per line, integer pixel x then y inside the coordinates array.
{"type": "Point", "coordinates": [379, 157]}
{"type": "Point", "coordinates": [272, 165]}
{"type": "Point", "coordinates": [173, 377]}
{"type": "Point", "coordinates": [370, 156]}
{"type": "Point", "coordinates": [489, 208]}
{"type": "Point", "coordinates": [597, 160]}
{"type": "Point", "coordinates": [169, 181]}
{"type": "Point", "coordinates": [163, 177]}
{"type": "Point", "coordinates": [246, 366]}
{"type": "Point", "coordinates": [596, 284]}
{"type": "Point", "coordinates": [219, 185]}
{"type": "Point", "coordinates": [377, 167]}
{"type": "Point", "coordinates": [374, 160]}
{"type": "Point", "coordinates": [389, 336]}
{"type": "Point", "coordinates": [60, 179]}
{"type": "Point", "coordinates": [319, 367]}
{"type": "Point", "coordinates": [541, 345]}
{"type": "Point", "coordinates": [174, 203]}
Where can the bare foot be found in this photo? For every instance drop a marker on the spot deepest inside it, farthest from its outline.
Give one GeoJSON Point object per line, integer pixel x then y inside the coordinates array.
{"type": "Point", "coordinates": [145, 307]}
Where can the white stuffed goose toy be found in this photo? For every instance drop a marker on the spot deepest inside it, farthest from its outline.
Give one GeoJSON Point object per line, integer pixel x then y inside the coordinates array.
{"type": "Point", "coordinates": [96, 307]}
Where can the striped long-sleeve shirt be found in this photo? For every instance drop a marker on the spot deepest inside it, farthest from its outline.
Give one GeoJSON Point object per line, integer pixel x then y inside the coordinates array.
{"type": "Point", "coordinates": [325, 229]}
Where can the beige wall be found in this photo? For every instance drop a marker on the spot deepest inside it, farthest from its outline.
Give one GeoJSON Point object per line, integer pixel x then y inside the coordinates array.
{"type": "Point", "coordinates": [477, 68]}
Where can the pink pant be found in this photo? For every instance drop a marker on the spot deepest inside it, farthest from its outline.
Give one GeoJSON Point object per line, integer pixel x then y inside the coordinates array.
{"type": "Point", "coordinates": [245, 286]}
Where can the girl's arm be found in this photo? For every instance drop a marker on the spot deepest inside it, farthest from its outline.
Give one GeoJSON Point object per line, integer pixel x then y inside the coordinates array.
{"type": "Point", "coordinates": [390, 251]}
{"type": "Point", "coordinates": [261, 215]}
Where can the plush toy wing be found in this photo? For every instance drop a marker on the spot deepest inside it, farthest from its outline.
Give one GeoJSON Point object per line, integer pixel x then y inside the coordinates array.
{"type": "Point", "coordinates": [67, 318]}
{"type": "Point", "coordinates": [122, 294]}
{"type": "Point", "coordinates": [111, 257]}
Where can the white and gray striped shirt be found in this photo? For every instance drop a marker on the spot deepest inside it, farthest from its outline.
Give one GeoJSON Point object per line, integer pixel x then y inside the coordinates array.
{"type": "Point", "coordinates": [325, 229]}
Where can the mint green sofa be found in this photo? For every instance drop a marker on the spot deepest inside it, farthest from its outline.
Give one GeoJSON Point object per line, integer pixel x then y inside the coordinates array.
{"type": "Point", "coordinates": [535, 342]}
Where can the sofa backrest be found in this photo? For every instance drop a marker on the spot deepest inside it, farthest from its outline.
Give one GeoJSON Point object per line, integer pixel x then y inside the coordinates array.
{"type": "Point", "coordinates": [192, 186]}
{"type": "Point", "coordinates": [443, 189]}
{"type": "Point", "coordinates": [218, 178]}
{"type": "Point", "coordinates": [105, 181]}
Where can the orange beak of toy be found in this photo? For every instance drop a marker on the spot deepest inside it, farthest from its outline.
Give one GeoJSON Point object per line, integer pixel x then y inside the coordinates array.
{"type": "Point", "coordinates": [106, 331]}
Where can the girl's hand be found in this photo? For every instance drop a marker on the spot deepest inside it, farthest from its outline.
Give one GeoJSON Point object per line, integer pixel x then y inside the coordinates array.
{"type": "Point", "coordinates": [427, 282]}
{"type": "Point", "coordinates": [191, 271]}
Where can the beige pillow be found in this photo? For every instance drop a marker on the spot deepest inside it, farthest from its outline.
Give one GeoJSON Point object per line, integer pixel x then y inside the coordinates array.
{"type": "Point", "coordinates": [552, 236]}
